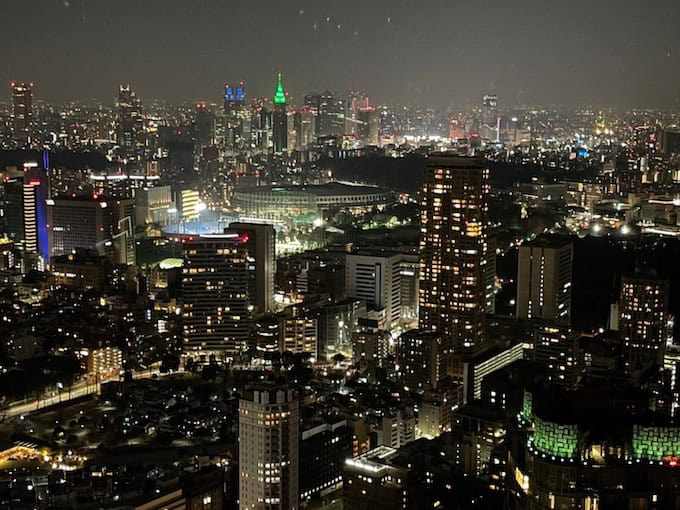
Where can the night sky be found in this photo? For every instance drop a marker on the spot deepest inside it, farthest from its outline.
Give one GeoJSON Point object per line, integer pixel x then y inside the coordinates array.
{"type": "Point", "coordinates": [430, 52]}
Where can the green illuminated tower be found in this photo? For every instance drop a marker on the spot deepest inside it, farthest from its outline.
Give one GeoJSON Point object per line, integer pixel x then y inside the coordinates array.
{"type": "Point", "coordinates": [280, 120]}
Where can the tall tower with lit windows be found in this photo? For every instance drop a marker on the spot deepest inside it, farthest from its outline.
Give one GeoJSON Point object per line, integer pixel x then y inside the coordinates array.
{"type": "Point", "coordinates": [457, 253]}
{"type": "Point", "coordinates": [644, 322]}
{"type": "Point", "coordinates": [280, 120]}
{"type": "Point", "coordinates": [22, 111]}
{"type": "Point", "coordinates": [269, 436]}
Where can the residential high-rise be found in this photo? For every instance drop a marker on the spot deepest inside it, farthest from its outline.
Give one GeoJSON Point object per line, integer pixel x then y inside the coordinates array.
{"type": "Point", "coordinates": [370, 347]}
{"type": "Point", "coordinates": [215, 300]}
{"type": "Point", "coordinates": [261, 245]}
{"type": "Point", "coordinates": [22, 111]}
{"type": "Point", "coordinates": [423, 358]}
{"type": "Point", "coordinates": [269, 438]}
{"type": "Point", "coordinates": [299, 334]}
{"type": "Point", "coordinates": [544, 279]}
{"type": "Point", "coordinates": [556, 348]}
{"type": "Point", "coordinates": [643, 320]}
{"type": "Point", "coordinates": [457, 254]}
{"type": "Point", "coordinates": [377, 279]}
{"type": "Point", "coordinates": [280, 120]}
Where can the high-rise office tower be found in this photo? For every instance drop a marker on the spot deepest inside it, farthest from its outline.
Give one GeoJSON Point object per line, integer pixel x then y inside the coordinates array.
{"type": "Point", "coordinates": [490, 109]}
{"type": "Point", "coordinates": [236, 120]}
{"type": "Point", "coordinates": [81, 222]}
{"type": "Point", "coordinates": [305, 127]}
{"type": "Point", "coordinates": [357, 102]}
{"type": "Point", "coordinates": [331, 119]}
{"type": "Point", "coordinates": [369, 126]}
{"type": "Point", "coordinates": [234, 97]}
{"type": "Point", "coordinates": [377, 279]}
{"type": "Point", "coordinates": [269, 437]}
{"type": "Point", "coordinates": [457, 255]}
{"type": "Point", "coordinates": [643, 320]}
{"type": "Point", "coordinates": [544, 279]}
{"type": "Point", "coordinates": [26, 197]}
{"type": "Point", "coordinates": [326, 444]}
{"type": "Point", "coordinates": [215, 301]}
{"type": "Point", "coordinates": [280, 120]}
{"type": "Point", "coordinates": [22, 111]}
{"type": "Point", "coordinates": [261, 245]}
{"type": "Point", "coordinates": [490, 121]}
{"type": "Point", "coordinates": [204, 126]}
{"type": "Point", "coordinates": [311, 105]}
{"type": "Point", "coordinates": [130, 129]}
{"type": "Point", "coordinates": [95, 223]}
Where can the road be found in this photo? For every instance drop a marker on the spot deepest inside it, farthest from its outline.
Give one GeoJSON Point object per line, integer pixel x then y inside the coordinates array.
{"type": "Point", "coordinates": [78, 390]}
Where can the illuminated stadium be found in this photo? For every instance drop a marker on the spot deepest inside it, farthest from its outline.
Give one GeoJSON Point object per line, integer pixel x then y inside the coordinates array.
{"type": "Point", "coordinates": [279, 203]}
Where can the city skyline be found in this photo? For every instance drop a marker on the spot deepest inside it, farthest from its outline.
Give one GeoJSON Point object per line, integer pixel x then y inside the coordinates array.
{"type": "Point", "coordinates": [345, 262]}
{"type": "Point", "coordinates": [525, 52]}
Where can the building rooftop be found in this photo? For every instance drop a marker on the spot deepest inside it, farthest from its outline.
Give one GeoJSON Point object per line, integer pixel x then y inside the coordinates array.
{"type": "Point", "coordinates": [451, 159]}
{"type": "Point", "coordinates": [549, 241]}
{"type": "Point", "coordinates": [328, 189]}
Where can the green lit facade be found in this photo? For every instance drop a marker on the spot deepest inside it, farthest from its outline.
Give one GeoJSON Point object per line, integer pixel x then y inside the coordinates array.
{"type": "Point", "coordinates": [279, 120]}
{"type": "Point", "coordinates": [280, 95]}
{"type": "Point", "coordinates": [556, 439]}
{"type": "Point", "coordinates": [527, 406]}
{"type": "Point", "coordinates": [655, 443]}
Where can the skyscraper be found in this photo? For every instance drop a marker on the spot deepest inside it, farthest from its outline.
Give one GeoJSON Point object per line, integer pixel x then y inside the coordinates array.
{"type": "Point", "coordinates": [237, 117]}
{"type": "Point", "coordinates": [457, 264]}
{"type": "Point", "coordinates": [490, 123]}
{"type": "Point", "coordinates": [369, 126]}
{"type": "Point", "coordinates": [280, 120]}
{"type": "Point", "coordinates": [331, 120]}
{"type": "Point", "coordinates": [215, 301]}
{"type": "Point", "coordinates": [234, 97]}
{"type": "Point", "coordinates": [26, 210]}
{"type": "Point", "coordinates": [261, 245]}
{"type": "Point", "coordinates": [22, 111]}
{"type": "Point", "coordinates": [269, 437]}
{"type": "Point", "coordinates": [544, 279]}
{"type": "Point", "coordinates": [130, 129]}
{"type": "Point", "coordinates": [305, 127]}
{"type": "Point", "coordinates": [643, 320]}
{"type": "Point", "coordinates": [204, 126]}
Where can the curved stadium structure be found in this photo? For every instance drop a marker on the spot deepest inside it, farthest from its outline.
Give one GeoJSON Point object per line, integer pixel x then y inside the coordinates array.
{"type": "Point", "coordinates": [278, 203]}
